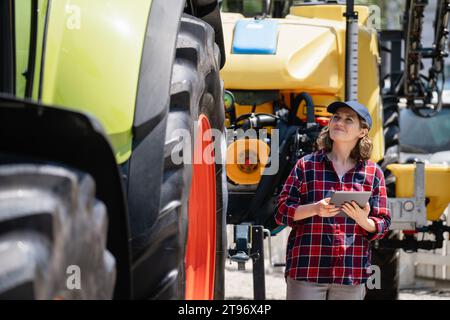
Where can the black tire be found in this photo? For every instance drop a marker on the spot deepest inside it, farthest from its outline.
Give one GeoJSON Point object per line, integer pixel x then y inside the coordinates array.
{"type": "Point", "coordinates": [388, 261]}
{"type": "Point", "coordinates": [391, 131]}
{"type": "Point", "coordinates": [391, 127]}
{"type": "Point", "coordinates": [195, 89]}
{"type": "Point", "coordinates": [51, 224]}
{"type": "Point", "coordinates": [390, 117]}
{"type": "Point", "coordinates": [392, 136]}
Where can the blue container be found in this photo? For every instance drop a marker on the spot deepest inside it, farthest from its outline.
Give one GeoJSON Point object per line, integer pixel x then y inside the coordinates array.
{"type": "Point", "coordinates": [255, 37]}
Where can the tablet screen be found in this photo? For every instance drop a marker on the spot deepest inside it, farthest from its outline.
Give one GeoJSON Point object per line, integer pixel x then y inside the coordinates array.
{"type": "Point", "coordinates": [340, 197]}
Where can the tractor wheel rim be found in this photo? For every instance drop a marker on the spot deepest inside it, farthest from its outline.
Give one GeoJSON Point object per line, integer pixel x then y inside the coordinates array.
{"type": "Point", "coordinates": [201, 242]}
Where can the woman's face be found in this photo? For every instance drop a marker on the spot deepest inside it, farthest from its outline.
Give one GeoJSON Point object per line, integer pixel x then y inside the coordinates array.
{"type": "Point", "coordinates": [345, 126]}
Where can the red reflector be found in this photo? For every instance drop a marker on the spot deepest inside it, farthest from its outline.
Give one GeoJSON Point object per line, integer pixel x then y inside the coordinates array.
{"type": "Point", "coordinates": [409, 232]}
{"type": "Point", "coordinates": [322, 121]}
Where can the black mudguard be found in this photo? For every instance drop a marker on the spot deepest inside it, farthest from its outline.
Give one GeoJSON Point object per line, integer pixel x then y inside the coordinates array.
{"type": "Point", "coordinates": [33, 132]}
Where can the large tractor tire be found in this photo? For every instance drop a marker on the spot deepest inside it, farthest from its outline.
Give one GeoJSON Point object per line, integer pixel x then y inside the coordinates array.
{"type": "Point", "coordinates": [391, 131]}
{"type": "Point", "coordinates": [188, 236]}
{"type": "Point", "coordinates": [196, 107]}
{"type": "Point", "coordinates": [388, 259]}
{"type": "Point", "coordinates": [52, 235]}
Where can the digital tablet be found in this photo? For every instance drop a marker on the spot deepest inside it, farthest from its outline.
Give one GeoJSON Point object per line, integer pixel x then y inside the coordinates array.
{"type": "Point", "coordinates": [340, 197]}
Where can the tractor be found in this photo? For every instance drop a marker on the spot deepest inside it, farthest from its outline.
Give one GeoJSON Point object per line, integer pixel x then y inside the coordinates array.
{"type": "Point", "coordinates": [286, 62]}
{"type": "Point", "coordinates": [95, 97]}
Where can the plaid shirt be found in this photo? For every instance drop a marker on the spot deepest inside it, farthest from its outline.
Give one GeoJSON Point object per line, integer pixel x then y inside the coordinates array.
{"type": "Point", "coordinates": [330, 250]}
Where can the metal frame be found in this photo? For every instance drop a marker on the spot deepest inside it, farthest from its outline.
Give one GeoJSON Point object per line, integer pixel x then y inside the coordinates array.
{"type": "Point", "coordinates": [410, 213]}
{"type": "Point", "coordinates": [249, 240]}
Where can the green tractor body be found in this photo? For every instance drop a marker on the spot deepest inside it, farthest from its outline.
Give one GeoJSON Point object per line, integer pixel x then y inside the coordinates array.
{"type": "Point", "coordinates": [92, 96]}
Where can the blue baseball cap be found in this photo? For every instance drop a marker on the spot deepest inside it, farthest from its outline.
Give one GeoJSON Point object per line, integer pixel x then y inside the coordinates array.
{"type": "Point", "coordinates": [360, 109]}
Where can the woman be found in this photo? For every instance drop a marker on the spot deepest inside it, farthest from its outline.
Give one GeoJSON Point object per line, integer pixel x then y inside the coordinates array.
{"type": "Point", "coordinates": [328, 257]}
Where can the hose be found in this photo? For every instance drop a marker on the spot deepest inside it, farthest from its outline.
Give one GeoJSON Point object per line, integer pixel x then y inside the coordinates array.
{"type": "Point", "coordinates": [295, 103]}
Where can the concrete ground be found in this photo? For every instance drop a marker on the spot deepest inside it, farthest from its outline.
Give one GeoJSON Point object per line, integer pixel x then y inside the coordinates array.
{"type": "Point", "coordinates": [239, 286]}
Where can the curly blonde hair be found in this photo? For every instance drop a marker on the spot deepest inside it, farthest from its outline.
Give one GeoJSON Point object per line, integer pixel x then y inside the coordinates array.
{"type": "Point", "coordinates": [362, 150]}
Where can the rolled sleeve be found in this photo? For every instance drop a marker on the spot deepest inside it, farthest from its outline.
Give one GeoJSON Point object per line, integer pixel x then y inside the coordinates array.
{"type": "Point", "coordinates": [289, 198]}
{"type": "Point", "coordinates": [379, 210]}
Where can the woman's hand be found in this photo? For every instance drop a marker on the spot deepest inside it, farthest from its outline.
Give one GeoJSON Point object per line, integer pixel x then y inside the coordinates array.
{"type": "Point", "coordinates": [361, 216]}
{"type": "Point", "coordinates": [325, 210]}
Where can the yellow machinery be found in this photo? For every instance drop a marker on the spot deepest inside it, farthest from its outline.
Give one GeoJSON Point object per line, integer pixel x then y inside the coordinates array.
{"type": "Point", "coordinates": [309, 57]}
{"type": "Point", "coordinates": [284, 68]}
{"type": "Point", "coordinates": [437, 179]}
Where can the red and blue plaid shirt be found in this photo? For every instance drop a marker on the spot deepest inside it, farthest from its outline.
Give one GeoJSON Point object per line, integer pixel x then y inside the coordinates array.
{"type": "Point", "coordinates": [336, 249]}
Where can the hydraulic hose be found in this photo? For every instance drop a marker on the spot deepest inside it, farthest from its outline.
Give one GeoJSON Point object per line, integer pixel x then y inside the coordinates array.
{"type": "Point", "coordinates": [303, 96]}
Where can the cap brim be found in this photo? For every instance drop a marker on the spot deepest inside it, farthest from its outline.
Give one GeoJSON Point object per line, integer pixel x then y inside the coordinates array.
{"type": "Point", "coordinates": [337, 104]}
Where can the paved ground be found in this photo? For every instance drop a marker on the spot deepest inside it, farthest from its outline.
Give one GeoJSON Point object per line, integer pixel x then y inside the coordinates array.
{"type": "Point", "coordinates": [239, 285]}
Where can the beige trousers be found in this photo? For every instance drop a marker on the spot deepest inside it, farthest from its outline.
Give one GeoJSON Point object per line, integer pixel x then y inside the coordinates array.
{"type": "Point", "coordinates": [304, 290]}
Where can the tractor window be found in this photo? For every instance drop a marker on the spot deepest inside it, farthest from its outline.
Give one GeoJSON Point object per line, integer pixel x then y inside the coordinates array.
{"type": "Point", "coordinates": [252, 8]}
{"type": "Point", "coordinates": [248, 8]}
{"type": "Point", "coordinates": [424, 135]}
{"type": "Point", "coordinates": [386, 14]}
{"type": "Point", "coordinates": [244, 97]}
